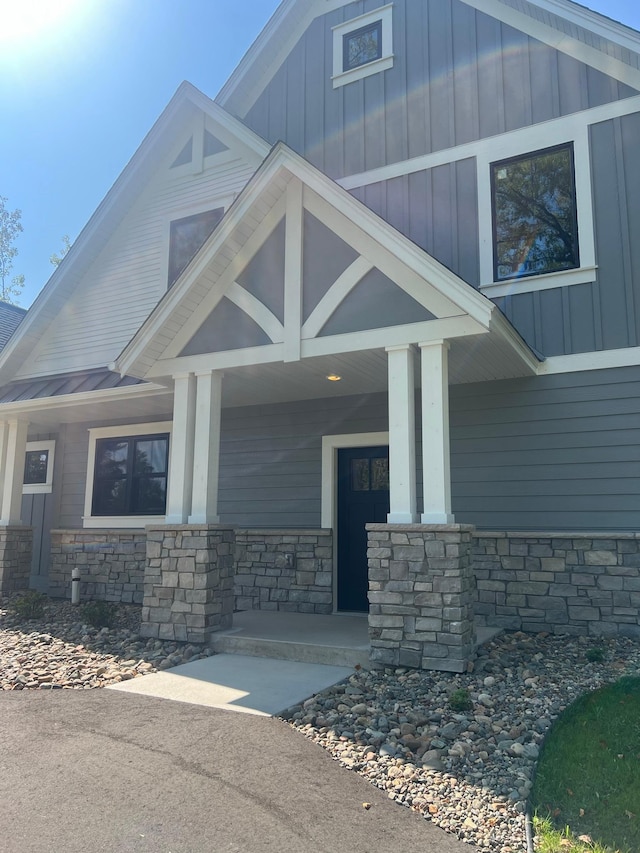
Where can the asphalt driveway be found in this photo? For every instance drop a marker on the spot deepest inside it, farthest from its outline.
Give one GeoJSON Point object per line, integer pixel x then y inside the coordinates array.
{"type": "Point", "coordinates": [89, 771]}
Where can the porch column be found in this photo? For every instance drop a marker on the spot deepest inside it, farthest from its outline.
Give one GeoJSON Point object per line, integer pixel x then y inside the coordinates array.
{"type": "Point", "coordinates": [181, 455]}
{"type": "Point", "coordinates": [402, 436]}
{"type": "Point", "coordinates": [206, 448]}
{"type": "Point", "coordinates": [435, 434]}
{"type": "Point", "coordinates": [13, 445]}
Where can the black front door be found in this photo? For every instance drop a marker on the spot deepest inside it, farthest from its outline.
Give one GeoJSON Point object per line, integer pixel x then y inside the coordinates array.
{"type": "Point", "coordinates": [363, 497]}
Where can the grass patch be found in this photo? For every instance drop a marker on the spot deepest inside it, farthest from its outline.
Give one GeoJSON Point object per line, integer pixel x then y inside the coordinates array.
{"type": "Point", "coordinates": [588, 777]}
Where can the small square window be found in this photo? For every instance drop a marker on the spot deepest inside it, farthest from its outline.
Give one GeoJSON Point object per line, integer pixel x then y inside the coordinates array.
{"type": "Point", "coordinates": [36, 463]}
{"type": "Point", "coordinates": [362, 46]}
{"type": "Point", "coordinates": [186, 238]}
{"type": "Point", "coordinates": [535, 222]}
{"type": "Point", "coordinates": [38, 467]}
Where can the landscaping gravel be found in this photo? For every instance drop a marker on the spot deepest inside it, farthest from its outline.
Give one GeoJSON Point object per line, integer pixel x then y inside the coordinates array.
{"type": "Point", "coordinates": [469, 771]}
{"type": "Point", "coordinates": [61, 651]}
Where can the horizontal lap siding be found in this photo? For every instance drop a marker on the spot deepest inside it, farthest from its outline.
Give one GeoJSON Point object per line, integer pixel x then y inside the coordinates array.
{"type": "Point", "coordinates": [129, 277]}
{"type": "Point", "coordinates": [559, 452]}
{"type": "Point", "coordinates": [458, 75]}
{"type": "Point", "coordinates": [271, 457]}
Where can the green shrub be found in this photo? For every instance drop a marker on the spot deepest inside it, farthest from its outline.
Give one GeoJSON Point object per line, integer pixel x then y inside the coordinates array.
{"type": "Point", "coordinates": [596, 654]}
{"type": "Point", "coordinates": [100, 614]}
{"type": "Point", "coordinates": [30, 605]}
{"type": "Point", "coordinates": [459, 700]}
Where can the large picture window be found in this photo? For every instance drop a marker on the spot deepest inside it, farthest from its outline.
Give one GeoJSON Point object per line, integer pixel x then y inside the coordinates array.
{"type": "Point", "coordinates": [534, 214]}
{"type": "Point", "coordinates": [187, 236]}
{"type": "Point", "coordinates": [130, 475]}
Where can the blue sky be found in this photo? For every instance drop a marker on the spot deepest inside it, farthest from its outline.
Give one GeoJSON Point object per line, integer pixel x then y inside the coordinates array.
{"type": "Point", "coordinates": [78, 95]}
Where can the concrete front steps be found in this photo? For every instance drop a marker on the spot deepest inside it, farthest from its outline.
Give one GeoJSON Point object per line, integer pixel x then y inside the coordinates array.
{"type": "Point", "coordinates": [309, 638]}
{"type": "Point", "coordinates": [337, 640]}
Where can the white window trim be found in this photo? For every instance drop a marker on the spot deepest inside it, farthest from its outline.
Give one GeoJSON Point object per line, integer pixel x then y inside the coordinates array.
{"type": "Point", "coordinates": [536, 140]}
{"type": "Point", "coordinates": [119, 521]}
{"type": "Point", "coordinates": [47, 486]}
{"type": "Point", "coordinates": [342, 77]}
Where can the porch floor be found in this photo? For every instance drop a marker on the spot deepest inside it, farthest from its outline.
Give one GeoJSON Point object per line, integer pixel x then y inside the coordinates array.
{"type": "Point", "coordinates": [337, 640]}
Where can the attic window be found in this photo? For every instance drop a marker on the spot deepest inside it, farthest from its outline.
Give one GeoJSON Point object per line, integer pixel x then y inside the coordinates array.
{"type": "Point", "coordinates": [186, 238]}
{"type": "Point", "coordinates": [362, 46]}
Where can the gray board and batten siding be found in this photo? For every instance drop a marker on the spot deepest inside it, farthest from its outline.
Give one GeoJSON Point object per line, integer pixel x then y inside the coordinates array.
{"type": "Point", "coordinates": [558, 452]}
{"type": "Point", "coordinates": [458, 76]}
{"type": "Point", "coordinates": [437, 209]}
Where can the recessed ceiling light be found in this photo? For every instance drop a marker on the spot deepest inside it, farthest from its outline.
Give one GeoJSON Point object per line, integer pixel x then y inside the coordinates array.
{"type": "Point", "coordinates": [333, 377]}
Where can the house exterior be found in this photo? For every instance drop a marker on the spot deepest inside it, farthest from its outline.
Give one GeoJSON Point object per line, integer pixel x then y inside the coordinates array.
{"type": "Point", "coordinates": [359, 335]}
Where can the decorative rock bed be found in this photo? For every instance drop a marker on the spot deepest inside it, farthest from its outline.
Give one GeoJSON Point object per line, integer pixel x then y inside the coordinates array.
{"type": "Point", "coordinates": [468, 771]}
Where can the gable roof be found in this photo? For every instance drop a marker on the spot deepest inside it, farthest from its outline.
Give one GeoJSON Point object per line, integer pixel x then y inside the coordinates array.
{"type": "Point", "coordinates": [285, 187]}
{"type": "Point", "coordinates": [10, 318]}
{"type": "Point", "coordinates": [565, 25]}
{"type": "Point", "coordinates": [157, 145]}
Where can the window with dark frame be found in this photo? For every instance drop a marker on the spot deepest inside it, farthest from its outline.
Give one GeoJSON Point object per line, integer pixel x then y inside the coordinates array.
{"type": "Point", "coordinates": [130, 475]}
{"type": "Point", "coordinates": [187, 236]}
{"type": "Point", "coordinates": [535, 224]}
{"type": "Point", "coordinates": [361, 46]}
{"type": "Point", "coordinates": [36, 464]}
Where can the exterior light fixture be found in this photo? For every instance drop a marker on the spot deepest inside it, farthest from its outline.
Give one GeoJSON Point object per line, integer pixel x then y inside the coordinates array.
{"type": "Point", "coordinates": [333, 377]}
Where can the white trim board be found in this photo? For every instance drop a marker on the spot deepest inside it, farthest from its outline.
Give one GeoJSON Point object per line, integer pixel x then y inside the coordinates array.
{"type": "Point", "coordinates": [124, 430]}
{"type": "Point", "coordinates": [330, 445]}
{"type": "Point", "coordinates": [602, 360]}
{"type": "Point", "coordinates": [560, 40]}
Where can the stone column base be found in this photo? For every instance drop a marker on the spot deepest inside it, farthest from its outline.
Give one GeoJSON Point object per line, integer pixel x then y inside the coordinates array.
{"type": "Point", "coordinates": [421, 592]}
{"type": "Point", "coordinates": [16, 544]}
{"type": "Point", "coordinates": [188, 582]}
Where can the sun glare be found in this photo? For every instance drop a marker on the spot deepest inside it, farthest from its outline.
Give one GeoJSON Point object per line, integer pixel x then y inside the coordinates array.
{"type": "Point", "coordinates": [22, 20]}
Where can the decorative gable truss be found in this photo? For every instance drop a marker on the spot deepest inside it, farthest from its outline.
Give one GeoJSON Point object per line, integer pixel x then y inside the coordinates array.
{"type": "Point", "coordinates": [298, 269]}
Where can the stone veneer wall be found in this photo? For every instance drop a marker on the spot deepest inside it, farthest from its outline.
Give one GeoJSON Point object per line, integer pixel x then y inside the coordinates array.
{"type": "Point", "coordinates": [421, 593]}
{"type": "Point", "coordinates": [566, 583]}
{"type": "Point", "coordinates": [16, 543]}
{"type": "Point", "coordinates": [112, 563]}
{"type": "Point", "coordinates": [188, 585]}
{"type": "Point", "coordinates": [288, 570]}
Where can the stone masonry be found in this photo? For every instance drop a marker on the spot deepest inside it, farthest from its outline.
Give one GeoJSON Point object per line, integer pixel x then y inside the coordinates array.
{"type": "Point", "coordinates": [289, 570]}
{"type": "Point", "coordinates": [188, 585]}
{"type": "Point", "coordinates": [111, 563]}
{"type": "Point", "coordinates": [16, 543]}
{"type": "Point", "coordinates": [565, 583]}
{"type": "Point", "coordinates": [421, 593]}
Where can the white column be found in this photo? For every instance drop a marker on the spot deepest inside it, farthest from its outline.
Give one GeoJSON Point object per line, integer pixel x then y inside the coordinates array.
{"type": "Point", "coordinates": [402, 436]}
{"type": "Point", "coordinates": [14, 446]}
{"type": "Point", "coordinates": [181, 452]}
{"type": "Point", "coordinates": [435, 434]}
{"type": "Point", "coordinates": [206, 448]}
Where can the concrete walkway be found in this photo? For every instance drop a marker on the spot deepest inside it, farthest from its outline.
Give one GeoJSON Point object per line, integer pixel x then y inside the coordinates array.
{"type": "Point", "coordinates": [96, 771]}
{"type": "Point", "coordinates": [238, 683]}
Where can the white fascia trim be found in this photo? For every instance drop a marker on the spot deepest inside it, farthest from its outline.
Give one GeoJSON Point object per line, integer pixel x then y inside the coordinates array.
{"type": "Point", "coordinates": [88, 398]}
{"type": "Point", "coordinates": [248, 357]}
{"type": "Point", "coordinates": [602, 360]}
{"type": "Point", "coordinates": [127, 430]}
{"type": "Point", "coordinates": [503, 328]}
{"type": "Point", "coordinates": [606, 28]}
{"type": "Point", "coordinates": [428, 268]}
{"type": "Point", "coordinates": [330, 445]}
{"type": "Point", "coordinates": [493, 144]}
{"type": "Point", "coordinates": [46, 487]}
{"type": "Point", "coordinates": [385, 61]}
{"type": "Point", "coordinates": [560, 41]}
